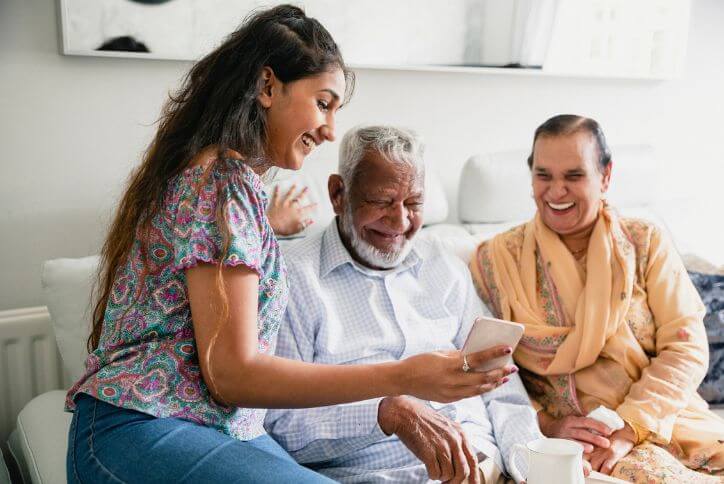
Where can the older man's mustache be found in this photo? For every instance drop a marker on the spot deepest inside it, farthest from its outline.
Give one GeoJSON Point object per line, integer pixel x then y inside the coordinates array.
{"type": "Point", "coordinates": [369, 253]}
{"type": "Point", "coordinates": [387, 231]}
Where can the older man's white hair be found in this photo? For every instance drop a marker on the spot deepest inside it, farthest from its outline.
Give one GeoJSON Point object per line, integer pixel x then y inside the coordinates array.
{"type": "Point", "coordinates": [399, 145]}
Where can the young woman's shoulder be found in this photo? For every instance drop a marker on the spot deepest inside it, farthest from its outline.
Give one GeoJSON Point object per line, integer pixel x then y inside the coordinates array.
{"type": "Point", "coordinates": [217, 180]}
{"type": "Point", "coordinates": [217, 205]}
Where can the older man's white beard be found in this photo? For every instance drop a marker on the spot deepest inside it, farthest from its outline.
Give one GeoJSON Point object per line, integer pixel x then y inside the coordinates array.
{"type": "Point", "coordinates": [368, 252]}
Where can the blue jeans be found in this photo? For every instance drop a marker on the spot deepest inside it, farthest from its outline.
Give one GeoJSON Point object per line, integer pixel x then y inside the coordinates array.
{"type": "Point", "coordinates": [111, 444]}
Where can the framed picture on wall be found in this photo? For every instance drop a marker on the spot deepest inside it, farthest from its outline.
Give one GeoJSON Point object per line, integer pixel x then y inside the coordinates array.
{"type": "Point", "coordinates": [153, 29]}
{"type": "Point", "coordinates": [606, 38]}
{"type": "Point", "coordinates": [371, 33]}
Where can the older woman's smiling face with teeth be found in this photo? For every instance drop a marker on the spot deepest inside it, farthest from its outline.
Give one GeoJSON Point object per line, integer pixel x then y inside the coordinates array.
{"type": "Point", "coordinates": [568, 183]}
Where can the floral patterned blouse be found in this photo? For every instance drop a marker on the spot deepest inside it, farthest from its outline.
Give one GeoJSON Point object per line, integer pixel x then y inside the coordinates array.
{"type": "Point", "coordinates": [147, 359]}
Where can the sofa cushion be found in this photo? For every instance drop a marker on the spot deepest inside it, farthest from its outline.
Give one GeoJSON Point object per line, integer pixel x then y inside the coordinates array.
{"type": "Point", "coordinates": [40, 440]}
{"type": "Point", "coordinates": [495, 187]}
{"type": "Point", "coordinates": [4, 474]}
{"type": "Point", "coordinates": [67, 285]}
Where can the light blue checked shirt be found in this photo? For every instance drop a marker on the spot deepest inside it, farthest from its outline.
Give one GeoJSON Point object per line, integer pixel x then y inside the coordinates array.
{"type": "Point", "coordinates": [340, 312]}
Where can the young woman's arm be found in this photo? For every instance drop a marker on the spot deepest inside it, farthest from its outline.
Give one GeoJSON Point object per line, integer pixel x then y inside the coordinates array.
{"type": "Point", "coordinates": [238, 374]}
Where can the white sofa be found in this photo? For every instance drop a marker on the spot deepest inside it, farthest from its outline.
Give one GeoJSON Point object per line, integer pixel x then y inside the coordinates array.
{"type": "Point", "coordinates": [494, 194]}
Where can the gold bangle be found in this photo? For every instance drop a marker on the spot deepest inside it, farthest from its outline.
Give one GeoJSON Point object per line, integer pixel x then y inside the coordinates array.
{"type": "Point", "coordinates": [640, 432]}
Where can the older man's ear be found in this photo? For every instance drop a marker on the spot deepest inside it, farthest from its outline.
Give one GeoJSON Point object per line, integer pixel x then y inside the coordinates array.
{"type": "Point", "coordinates": [335, 186]}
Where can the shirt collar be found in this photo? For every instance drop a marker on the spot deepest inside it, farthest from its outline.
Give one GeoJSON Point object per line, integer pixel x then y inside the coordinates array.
{"type": "Point", "coordinates": [334, 254]}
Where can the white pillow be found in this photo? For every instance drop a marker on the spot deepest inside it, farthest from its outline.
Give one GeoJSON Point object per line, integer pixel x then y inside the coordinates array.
{"type": "Point", "coordinates": [495, 187]}
{"type": "Point", "coordinates": [67, 285]}
{"type": "Point", "coordinates": [436, 208]}
{"type": "Point", "coordinates": [635, 178]}
{"type": "Point", "coordinates": [695, 226]}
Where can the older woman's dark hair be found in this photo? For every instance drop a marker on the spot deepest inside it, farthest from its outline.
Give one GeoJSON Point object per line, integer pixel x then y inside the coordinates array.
{"type": "Point", "coordinates": [216, 105]}
{"type": "Point", "coordinates": [566, 124]}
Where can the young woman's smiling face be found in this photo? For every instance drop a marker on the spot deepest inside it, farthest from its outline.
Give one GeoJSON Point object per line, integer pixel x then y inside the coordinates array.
{"type": "Point", "coordinates": [300, 115]}
{"type": "Point", "coordinates": [568, 183]}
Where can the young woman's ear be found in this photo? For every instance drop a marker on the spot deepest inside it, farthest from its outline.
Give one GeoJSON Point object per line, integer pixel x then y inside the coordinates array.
{"type": "Point", "coordinates": [270, 85]}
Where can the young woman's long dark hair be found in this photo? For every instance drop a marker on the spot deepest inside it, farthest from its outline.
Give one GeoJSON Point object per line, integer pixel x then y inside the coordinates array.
{"type": "Point", "coordinates": [216, 105]}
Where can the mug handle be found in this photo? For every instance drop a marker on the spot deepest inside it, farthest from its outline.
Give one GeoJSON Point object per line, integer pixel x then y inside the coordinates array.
{"type": "Point", "coordinates": [514, 451]}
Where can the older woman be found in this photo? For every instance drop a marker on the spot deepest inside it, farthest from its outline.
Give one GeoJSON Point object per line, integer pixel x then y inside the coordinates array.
{"type": "Point", "coordinates": [611, 318]}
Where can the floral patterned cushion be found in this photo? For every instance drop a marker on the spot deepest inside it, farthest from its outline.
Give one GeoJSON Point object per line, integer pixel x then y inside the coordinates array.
{"type": "Point", "coordinates": [711, 290]}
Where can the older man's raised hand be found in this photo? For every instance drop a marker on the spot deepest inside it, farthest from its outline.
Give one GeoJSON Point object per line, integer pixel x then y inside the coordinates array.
{"type": "Point", "coordinates": [437, 441]}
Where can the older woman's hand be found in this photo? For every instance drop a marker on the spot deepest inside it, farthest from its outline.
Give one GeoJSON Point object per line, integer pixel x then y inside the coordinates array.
{"type": "Point", "coordinates": [604, 460]}
{"type": "Point", "coordinates": [586, 431]}
{"type": "Point", "coordinates": [286, 214]}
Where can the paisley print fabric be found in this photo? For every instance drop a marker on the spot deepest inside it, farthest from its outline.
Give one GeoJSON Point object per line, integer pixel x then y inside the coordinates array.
{"type": "Point", "coordinates": [147, 359]}
{"type": "Point", "coordinates": [650, 464]}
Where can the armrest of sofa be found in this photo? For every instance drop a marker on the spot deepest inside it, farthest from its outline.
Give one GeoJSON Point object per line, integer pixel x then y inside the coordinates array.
{"type": "Point", "coordinates": [39, 443]}
{"type": "Point", "coordinates": [4, 474]}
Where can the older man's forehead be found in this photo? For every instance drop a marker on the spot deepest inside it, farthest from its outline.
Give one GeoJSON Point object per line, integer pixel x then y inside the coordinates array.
{"type": "Point", "coordinates": [393, 187]}
{"type": "Point", "coordinates": [382, 180]}
{"type": "Point", "coordinates": [382, 168]}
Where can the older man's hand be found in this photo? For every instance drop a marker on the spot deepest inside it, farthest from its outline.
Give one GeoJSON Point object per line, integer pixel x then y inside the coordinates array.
{"type": "Point", "coordinates": [436, 440]}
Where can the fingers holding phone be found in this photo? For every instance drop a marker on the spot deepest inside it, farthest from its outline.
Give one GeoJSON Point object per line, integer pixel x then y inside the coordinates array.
{"type": "Point", "coordinates": [499, 338]}
{"type": "Point", "coordinates": [481, 362]}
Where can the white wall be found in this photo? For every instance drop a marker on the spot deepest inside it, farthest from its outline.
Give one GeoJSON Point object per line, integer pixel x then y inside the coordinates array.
{"type": "Point", "coordinates": [72, 127]}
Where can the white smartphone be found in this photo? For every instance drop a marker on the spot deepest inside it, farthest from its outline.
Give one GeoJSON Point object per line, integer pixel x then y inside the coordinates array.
{"type": "Point", "coordinates": [488, 332]}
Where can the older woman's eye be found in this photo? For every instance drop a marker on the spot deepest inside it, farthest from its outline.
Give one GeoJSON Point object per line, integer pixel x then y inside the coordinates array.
{"type": "Point", "coordinates": [323, 105]}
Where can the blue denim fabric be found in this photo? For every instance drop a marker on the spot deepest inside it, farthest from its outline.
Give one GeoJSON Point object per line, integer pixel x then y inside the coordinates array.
{"type": "Point", "coordinates": [111, 444]}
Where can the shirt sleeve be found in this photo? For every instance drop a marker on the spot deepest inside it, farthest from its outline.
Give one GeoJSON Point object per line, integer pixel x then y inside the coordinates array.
{"type": "Point", "coordinates": [316, 434]}
{"type": "Point", "coordinates": [472, 307]}
{"type": "Point", "coordinates": [511, 415]}
{"type": "Point", "coordinates": [514, 421]}
{"type": "Point", "coordinates": [682, 352]}
{"type": "Point", "coordinates": [222, 214]}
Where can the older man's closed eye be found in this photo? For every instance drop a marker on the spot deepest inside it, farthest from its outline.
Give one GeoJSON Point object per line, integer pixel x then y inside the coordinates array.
{"type": "Point", "coordinates": [366, 291]}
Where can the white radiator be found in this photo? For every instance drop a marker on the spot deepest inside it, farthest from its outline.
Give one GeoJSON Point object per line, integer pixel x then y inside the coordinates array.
{"type": "Point", "coordinates": [29, 361]}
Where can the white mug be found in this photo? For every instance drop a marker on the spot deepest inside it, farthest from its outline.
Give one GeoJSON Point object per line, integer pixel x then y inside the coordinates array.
{"type": "Point", "coordinates": [551, 461]}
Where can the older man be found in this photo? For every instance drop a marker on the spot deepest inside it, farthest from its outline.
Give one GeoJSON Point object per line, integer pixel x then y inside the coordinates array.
{"type": "Point", "coordinates": [366, 291]}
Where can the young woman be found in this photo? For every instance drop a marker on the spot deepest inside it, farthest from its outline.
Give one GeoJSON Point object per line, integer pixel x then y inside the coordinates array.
{"type": "Point", "coordinates": [193, 286]}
